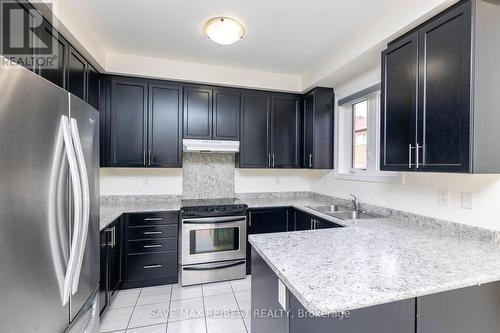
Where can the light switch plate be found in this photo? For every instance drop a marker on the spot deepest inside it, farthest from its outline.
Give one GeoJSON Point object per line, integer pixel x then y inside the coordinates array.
{"type": "Point", "coordinates": [282, 294]}
{"type": "Point", "coordinates": [467, 200]}
{"type": "Point", "coordinates": [444, 197]}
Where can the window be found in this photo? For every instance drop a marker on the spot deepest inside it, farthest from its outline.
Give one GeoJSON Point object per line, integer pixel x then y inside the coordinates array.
{"type": "Point", "coordinates": [358, 137]}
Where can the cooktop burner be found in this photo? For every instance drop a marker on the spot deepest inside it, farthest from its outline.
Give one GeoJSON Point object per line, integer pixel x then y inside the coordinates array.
{"type": "Point", "coordinates": [213, 207]}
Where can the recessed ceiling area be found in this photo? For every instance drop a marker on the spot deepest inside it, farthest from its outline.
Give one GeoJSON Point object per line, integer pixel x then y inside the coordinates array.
{"type": "Point", "coordinates": [288, 37]}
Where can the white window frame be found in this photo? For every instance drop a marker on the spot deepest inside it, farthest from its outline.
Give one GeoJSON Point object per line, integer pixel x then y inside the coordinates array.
{"type": "Point", "coordinates": [344, 141]}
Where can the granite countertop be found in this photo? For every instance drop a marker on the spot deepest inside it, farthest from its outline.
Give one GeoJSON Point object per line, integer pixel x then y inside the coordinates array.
{"type": "Point", "coordinates": [372, 262]}
{"type": "Point", "coordinates": [369, 262]}
{"type": "Point", "coordinates": [110, 211]}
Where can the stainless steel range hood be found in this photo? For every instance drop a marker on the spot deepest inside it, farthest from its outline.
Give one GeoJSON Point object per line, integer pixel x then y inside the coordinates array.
{"type": "Point", "coordinates": [210, 146]}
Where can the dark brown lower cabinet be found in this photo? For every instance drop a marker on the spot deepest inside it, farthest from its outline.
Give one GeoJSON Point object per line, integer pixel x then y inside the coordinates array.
{"type": "Point", "coordinates": [111, 255]}
{"type": "Point", "coordinates": [466, 310]}
{"type": "Point", "coordinates": [151, 255]}
{"type": "Point", "coordinates": [398, 317]}
{"type": "Point", "coordinates": [304, 221]}
{"type": "Point", "coordinates": [267, 220]}
{"type": "Point", "coordinates": [103, 267]}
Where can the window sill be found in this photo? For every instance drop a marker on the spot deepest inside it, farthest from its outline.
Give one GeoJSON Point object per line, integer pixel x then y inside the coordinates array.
{"type": "Point", "coordinates": [373, 177]}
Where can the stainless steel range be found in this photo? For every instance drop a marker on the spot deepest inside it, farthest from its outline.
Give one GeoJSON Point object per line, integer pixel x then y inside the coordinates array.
{"type": "Point", "coordinates": [213, 240]}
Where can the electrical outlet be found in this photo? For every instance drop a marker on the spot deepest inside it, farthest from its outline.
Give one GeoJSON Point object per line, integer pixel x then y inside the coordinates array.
{"type": "Point", "coordinates": [145, 181]}
{"type": "Point", "coordinates": [444, 197]}
{"type": "Point", "coordinates": [467, 200]}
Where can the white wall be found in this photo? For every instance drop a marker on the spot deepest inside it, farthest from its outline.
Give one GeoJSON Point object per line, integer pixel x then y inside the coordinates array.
{"type": "Point", "coordinates": [417, 193]}
{"type": "Point", "coordinates": [140, 181]}
{"type": "Point", "coordinates": [262, 180]}
{"type": "Point", "coordinates": [194, 72]}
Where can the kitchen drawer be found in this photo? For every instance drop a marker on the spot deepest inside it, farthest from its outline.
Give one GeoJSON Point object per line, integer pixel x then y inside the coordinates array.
{"type": "Point", "coordinates": [152, 245]}
{"type": "Point", "coordinates": [157, 231]}
{"type": "Point", "coordinates": [151, 266]}
{"type": "Point", "coordinates": [146, 219]}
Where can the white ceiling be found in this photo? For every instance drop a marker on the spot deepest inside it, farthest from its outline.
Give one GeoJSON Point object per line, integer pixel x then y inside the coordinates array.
{"type": "Point", "coordinates": [283, 36]}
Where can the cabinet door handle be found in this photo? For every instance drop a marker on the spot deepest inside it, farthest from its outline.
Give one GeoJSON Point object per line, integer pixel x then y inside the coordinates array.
{"type": "Point", "coordinates": [148, 219]}
{"type": "Point", "coordinates": [310, 160]}
{"type": "Point", "coordinates": [249, 219]}
{"type": "Point", "coordinates": [110, 241]}
{"type": "Point", "coordinates": [409, 155]}
{"type": "Point", "coordinates": [269, 160]}
{"type": "Point", "coordinates": [153, 232]}
{"type": "Point", "coordinates": [149, 157]}
{"type": "Point", "coordinates": [152, 266]}
{"type": "Point", "coordinates": [144, 157]}
{"type": "Point", "coordinates": [273, 160]}
{"type": "Point", "coordinates": [417, 151]}
{"type": "Point", "coordinates": [152, 246]}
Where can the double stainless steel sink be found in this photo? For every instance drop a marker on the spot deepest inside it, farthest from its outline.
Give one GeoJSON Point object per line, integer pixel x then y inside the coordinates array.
{"type": "Point", "coordinates": [343, 212]}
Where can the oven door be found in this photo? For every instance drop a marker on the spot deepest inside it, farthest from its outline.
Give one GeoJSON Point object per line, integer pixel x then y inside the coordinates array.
{"type": "Point", "coordinates": [213, 239]}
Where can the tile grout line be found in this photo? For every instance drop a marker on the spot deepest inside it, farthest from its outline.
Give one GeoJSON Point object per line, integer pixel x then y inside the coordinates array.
{"type": "Point", "coordinates": [169, 307]}
{"type": "Point", "coordinates": [239, 308]}
{"type": "Point", "coordinates": [204, 309]}
{"type": "Point", "coordinates": [133, 310]}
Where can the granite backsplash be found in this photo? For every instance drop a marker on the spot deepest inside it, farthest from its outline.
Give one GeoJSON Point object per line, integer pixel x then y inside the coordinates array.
{"type": "Point", "coordinates": [208, 175]}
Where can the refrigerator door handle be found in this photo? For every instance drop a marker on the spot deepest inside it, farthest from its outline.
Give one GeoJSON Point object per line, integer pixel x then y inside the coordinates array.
{"type": "Point", "coordinates": [84, 226]}
{"type": "Point", "coordinates": [77, 201]}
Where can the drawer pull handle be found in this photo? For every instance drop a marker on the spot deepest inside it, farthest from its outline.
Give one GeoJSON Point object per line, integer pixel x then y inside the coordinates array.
{"type": "Point", "coordinates": [153, 219]}
{"type": "Point", "coordinates": [153, 232]}
{"type": "Point", "coordinates": [150, 246]}
{"type": "Point", "coordinates": [152, 266]}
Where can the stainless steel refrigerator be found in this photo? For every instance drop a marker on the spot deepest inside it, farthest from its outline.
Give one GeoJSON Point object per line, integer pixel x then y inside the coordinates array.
{"type": "Point", "coordinates": [49, 207]}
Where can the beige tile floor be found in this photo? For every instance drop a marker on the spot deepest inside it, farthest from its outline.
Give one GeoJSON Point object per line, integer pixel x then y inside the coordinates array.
{"type": "Point", "coordinates": [222, 307]}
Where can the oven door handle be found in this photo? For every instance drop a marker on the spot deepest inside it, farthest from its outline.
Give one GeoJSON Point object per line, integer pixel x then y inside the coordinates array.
{"type": "Point", "coordinates": [210, 268]}
{"type": "Point", "coordinates": [212, 220]}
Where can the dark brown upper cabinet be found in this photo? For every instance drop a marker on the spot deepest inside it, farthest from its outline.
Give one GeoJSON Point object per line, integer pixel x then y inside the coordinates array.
{"type": "Point", "coordinates": [439, 104]}
{"type": "Point", "coordinates": [317, 129]}
{"type": "Point", "coordinates": [22, 35]}
{"type": "Point", "coordinates": [211, 114]}
{"type": "Point", "coordinates": [144, 124]}
{"type": "Point", "coordinates": [444, 92]}
{"type": "Point", "coordinates": [285, 131]}
{"type": "Point", "coordinates": [77, 74]}
{"type": "Point", "coordinates": [57, 73]}
{"type": "Point", "coordinates": [226, 114]}
{"type": "Point", "coordinates": [270, 130]}
{"type": "Point", "coordinates": [93, 87]}
{"type": "Point", "coordinates": [399, 104]}
{"type": "Point", "coordinates": [165, 126]}
{"type": "Point", "coordinates": [197, 113]}
{"type": "Point", "coordinates": [255, 125]}
{"type": "Point", "coordinates": [128, 123]}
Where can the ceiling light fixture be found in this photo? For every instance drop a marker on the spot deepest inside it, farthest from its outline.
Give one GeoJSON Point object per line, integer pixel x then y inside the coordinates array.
{"type": "Point", "coordinates": [224, 30]}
